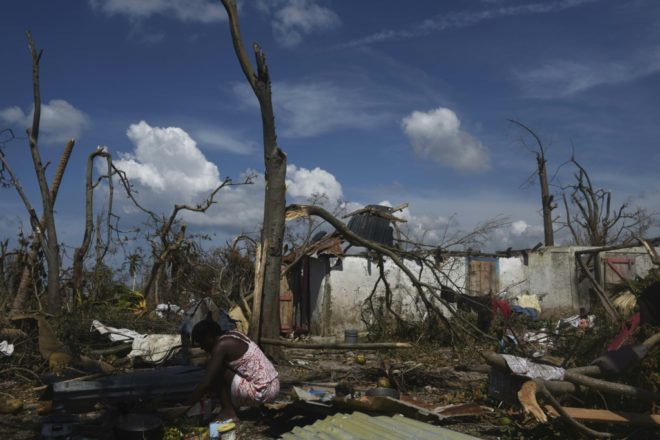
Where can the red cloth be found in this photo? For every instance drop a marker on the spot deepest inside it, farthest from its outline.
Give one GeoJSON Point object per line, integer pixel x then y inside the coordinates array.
{"type": "Point", "coordinates": [627, 330]}
{"type": "Point", "coordinates": [502, 306]}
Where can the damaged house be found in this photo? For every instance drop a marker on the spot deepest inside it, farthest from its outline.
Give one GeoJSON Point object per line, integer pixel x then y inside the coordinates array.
{"type": "Point", "coordinates": [328, 288]}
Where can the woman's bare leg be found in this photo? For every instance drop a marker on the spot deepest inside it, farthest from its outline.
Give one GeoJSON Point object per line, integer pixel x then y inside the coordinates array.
{"type": "Point", "coordinates": [228, 411]}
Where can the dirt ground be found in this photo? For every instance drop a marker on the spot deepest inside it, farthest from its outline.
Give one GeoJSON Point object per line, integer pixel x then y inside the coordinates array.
{"type": "Point", "coordinates": [429, 376]}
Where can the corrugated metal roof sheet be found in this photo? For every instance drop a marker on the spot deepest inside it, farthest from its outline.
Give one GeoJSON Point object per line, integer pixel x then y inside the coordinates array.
{"type": "Point", "coordinates": [372, 227]}
{"type": "Point", "coordinates": [359, 426]}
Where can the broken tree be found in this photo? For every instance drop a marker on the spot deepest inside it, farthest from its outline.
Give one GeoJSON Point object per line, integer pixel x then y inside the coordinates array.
{"type": "Point", "coordinates": [547, 202]}
{"type": "Point", "coordinates": [44, 230]}
{"type": "Point", "coordinates": [265, 314]}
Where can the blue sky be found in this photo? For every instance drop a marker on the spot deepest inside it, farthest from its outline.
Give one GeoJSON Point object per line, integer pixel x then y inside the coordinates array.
{"type": "Point", "coordinates": [375, 101]}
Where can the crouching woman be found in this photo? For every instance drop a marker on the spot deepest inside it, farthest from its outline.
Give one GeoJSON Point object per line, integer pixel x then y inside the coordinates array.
{"type": "Point", "coordinates": [239, 372]}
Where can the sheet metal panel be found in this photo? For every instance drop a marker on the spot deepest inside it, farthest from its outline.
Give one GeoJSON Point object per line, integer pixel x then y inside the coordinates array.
{"type": "Point", "coordinates": [359, 426]}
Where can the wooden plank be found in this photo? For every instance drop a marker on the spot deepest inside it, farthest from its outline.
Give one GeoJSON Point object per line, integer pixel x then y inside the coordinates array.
{"type": "Point", "coordinates": [286, 306]}
{"type": "Point", "coordinates": [605, 416]}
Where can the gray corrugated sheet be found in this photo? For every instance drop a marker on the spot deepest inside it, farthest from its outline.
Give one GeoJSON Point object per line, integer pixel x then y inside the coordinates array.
{"type": "Point", "coordinates": [167, 384]}
{"type": "Point", "coordinates": [359, 426]}
{"type": "Point", "coordinates": [372, 227]}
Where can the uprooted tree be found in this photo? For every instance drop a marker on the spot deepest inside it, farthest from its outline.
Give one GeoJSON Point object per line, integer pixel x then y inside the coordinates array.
{"type": "Point", "coordinates": [265, 306]}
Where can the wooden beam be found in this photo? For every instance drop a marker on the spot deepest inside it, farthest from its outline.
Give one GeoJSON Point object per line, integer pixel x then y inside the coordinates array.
{"type": "Point", "coordinates": [606, 416]}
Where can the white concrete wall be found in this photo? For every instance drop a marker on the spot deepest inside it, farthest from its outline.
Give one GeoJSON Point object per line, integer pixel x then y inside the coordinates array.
{"type": "Point", "coordinates": [551, 277]}
{"type": "Point", "coordinates": [344, 289]}
{"type": "Point", "coordinates": [514, 276]}
{"type": "Point", "coordinates": [339, 295]}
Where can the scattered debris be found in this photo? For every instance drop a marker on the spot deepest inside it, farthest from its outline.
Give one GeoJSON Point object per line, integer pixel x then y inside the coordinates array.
{"type": "Point", "coordinates": [164, 310]}
{"type": "Point", "coordinates": [10, 405]}
{"type": "Point", "coordinates": [115, 334]}
{"type": "Point", "coordinates": [6, 348]}
{"type": "Point", "coordinates": [155, 349]}
{"type": "Point", "coordinates": [527, 368]}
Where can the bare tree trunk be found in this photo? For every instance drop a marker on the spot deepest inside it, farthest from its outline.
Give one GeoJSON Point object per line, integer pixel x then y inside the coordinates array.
{"type": "Point", "coordinates": [50, 245]}
{"type": "Point", "coordinates": [23, 290]}
{"type": "Point", "coordinates": [258, 292]}
{"type": "Point", "coordinates": [547, 203]}
{"type": "Point", "coordinates": [151, 287]}
{"type": "Point", "coordinates": [268, 316]}
{"type": "Point", "coordinates": [81, 252]}
{"type": "Point", "coordinates": [4, 290]}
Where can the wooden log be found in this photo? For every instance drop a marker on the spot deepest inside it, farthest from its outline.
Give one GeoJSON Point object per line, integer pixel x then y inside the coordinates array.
{"type": "Point", "coordinates": [338, 345]}
{"type": "Point", "coordinates": [555, 386]}
{"type": "Point", "coordinates": [497, 361]}
{"type": "Point", "coordinates": [606, 416]}
{"type": "Point", "coordinates": [612, 387]}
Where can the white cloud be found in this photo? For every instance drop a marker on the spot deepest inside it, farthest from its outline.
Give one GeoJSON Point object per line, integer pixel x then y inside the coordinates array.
{"type": "Point", "coordinates": [166, 168]}
{"type": "Point", "coordinates": [431, 229]}
{"type": "Point", "coordinates": [314, 108]}
{"type": "Point", "coordinates": [201, 11]}
{"type": "Point", "coordinates": [297, 18]}
{"type": "Point", "coordinates": [519, 227]}
{"type": "Point", "coordinates": [466, 18]}
{"type": "Point", "coordinates": [167, 161]}
{"type": "Point", "coordinates": [60, 121]}
{"type": "Point", "coordinates": [437, 135]}
{"type": "Point", "coordinates": [565, 78]}
{"type": "Point", "coordinates": [223, 140]}
{"type": "Point", "coordinates": [302, 183]}
{"type": "Point", "coordinates": [237, 209]}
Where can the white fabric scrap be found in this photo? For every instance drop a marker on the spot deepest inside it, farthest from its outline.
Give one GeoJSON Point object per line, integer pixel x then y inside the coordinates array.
{"type": "Point", "coordinates": [575, 321]}
{"type": "Point", "coordinates": [6, 348]}
{"type": "Point", "coordinates": [163, 309]}
{"type": "Point", "coordinates": [155, 348]}
{"type": "Point", "coordinates": [115, 334]}
{"type": "Point", "coordinates": [525, 367]}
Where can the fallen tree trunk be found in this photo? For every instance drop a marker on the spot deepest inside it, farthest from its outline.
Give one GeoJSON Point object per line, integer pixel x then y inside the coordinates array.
{"type": "Point", "coordinates": [338, 345]}
{"type": "Point", "coordinates": [612, 387]}
{"type": "Point", "coordinates": [604, 386]}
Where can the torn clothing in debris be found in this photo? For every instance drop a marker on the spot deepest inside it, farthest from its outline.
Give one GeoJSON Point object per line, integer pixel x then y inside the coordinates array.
{"type": "Point", "coordinates": [155, 349]}
{"type": "Point", "coordinates": [152, 349]}
{"type": "Point", "coordinates": [524, 367]}
{"type": "Point", "coordinates": [576, 321]}
{"type": "Point", "coordinates": [626, 332]}
{"type": "Point", "coordinates": [115, 334]}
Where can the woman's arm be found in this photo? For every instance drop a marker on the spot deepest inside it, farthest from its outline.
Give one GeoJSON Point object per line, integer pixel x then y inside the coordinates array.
{"type": "Point", "coordinates": [213, 373]}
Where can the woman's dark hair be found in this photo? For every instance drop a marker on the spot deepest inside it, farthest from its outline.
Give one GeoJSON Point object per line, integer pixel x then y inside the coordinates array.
{"type": "Point", "coordinates": [203, 328]}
